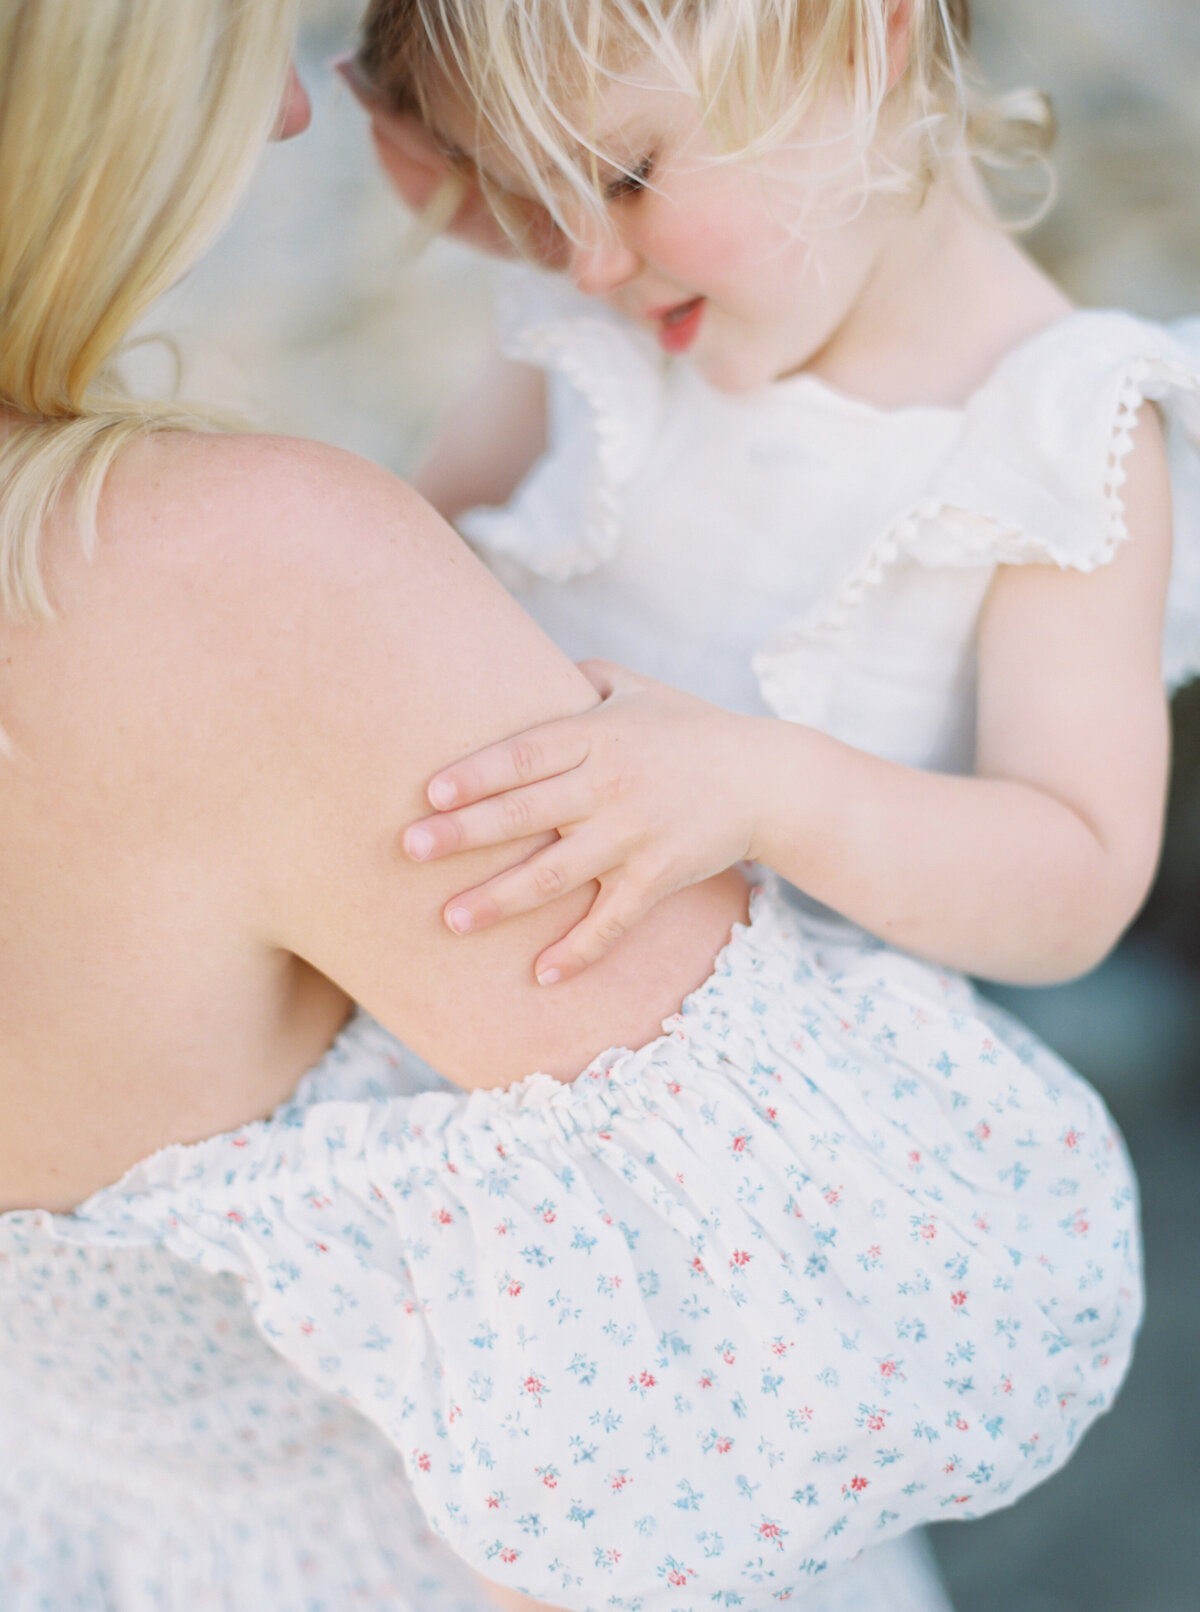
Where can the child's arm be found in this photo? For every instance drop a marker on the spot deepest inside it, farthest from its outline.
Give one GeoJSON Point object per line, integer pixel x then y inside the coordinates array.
{"type": "Point", "coordinates": [1028, 871]}
{"type": "Point", "coordinates": [488, 441]}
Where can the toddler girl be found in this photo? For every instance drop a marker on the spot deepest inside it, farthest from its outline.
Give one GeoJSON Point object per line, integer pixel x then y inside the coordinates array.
{"type": "Point", "coordinates": [826, 454]}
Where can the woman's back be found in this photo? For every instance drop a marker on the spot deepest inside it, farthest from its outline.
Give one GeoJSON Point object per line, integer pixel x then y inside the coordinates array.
{"type": "Point", "coordinates": [213, 750]}
{"type": "Point", "coordinates": [133, 1004]}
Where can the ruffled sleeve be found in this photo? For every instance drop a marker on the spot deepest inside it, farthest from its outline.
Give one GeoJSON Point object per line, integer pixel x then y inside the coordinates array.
{"type": "Point", "coordinates": [1030, 471]}
{"type": "Point", "coordinates": [1038, 472]}
{"type": "Point", "coordinates": [604, 385]}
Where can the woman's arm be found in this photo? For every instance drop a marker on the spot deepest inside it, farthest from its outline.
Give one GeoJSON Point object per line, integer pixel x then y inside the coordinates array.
{"type": "Point", "coordinates": [350, 644]}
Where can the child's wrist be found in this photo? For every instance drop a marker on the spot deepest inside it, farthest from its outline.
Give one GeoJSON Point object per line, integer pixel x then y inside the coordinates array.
{"type": "Point", "coordinates": [778, 764]}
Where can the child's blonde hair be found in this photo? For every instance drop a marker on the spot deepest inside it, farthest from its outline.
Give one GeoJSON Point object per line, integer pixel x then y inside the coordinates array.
{"type": "Point", "coordinates": [534, 71]}
{"type": "Point", "coordinates": [127, 130]}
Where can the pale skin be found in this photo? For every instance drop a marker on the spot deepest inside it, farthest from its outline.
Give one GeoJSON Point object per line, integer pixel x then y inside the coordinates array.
{"type": "Point", "coordinates": [1027, 871]}
{"type": "Point", "coordinates": [214, 750]}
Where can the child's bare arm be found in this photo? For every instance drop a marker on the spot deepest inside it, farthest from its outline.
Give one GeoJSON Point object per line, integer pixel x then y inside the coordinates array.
{"type": "Point", "coordinates": [488, 442]}
{"type": "Point", "coordinates": [1032, 869]}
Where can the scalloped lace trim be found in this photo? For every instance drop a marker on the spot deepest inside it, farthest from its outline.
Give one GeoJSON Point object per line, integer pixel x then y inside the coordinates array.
{"type": "Point", "coordinates": [1005, 544]}
{"type": "Point", "coordinates": [574, 346]}
{"type": "Point", "coordinates": [601, 530]}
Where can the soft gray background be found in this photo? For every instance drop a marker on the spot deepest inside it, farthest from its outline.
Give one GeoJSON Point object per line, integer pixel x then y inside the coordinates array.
{"type": "Point", "coordinates": [308, 315]}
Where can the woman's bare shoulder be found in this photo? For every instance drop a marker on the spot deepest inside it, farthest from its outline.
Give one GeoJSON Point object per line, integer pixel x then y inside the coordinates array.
{"type": "Point", "coordinates": [274, 648]}
{"type": "Point", "coordinates": [226, 557]}
{"type": "Point", "coordinates": [193, 499]}
{"type": "Point", "coordinates": [241, 589]}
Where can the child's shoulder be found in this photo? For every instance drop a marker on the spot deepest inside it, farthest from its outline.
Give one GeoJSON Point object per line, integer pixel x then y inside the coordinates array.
{"type": "Point", "coordinates": [1042, 456]}
{"type": "Point", "coordinates": [1052, 423]}
{"type": "Point", "coordinates": [1085, 348]}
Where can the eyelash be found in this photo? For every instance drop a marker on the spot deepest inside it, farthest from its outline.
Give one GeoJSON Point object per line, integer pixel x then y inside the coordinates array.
{"type": "Point", "coordinates": [629, 184]}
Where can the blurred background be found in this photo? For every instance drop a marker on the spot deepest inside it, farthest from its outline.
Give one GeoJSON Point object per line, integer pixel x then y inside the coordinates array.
{"type": "Point", "coordinates": [309, 317]}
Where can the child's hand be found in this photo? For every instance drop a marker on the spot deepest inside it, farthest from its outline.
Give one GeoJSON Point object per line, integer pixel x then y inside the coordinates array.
{"type": "Point", "coordinates": [649, 793]}
{"type": "Point", "coordinates": [419, 170]}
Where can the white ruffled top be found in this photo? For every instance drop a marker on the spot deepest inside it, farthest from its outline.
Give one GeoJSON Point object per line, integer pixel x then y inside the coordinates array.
{"type": "Point", "coordinates": [799, 551]}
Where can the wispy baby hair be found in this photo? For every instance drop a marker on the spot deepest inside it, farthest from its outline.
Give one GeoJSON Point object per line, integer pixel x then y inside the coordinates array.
{"type": "Point", "coordinates": [127, 129]}
{"type": "Point", "coordinates": [534, 72]}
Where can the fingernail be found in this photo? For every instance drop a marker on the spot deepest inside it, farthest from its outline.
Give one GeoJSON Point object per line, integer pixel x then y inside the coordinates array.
{"type": "Point", "coordinates": [418, 842]}
{"type": "Point", "coordinates": [442, 794]}
{"type": "Point", "coordinates": [549, 976]}
{"type": "Point", "coordinates": [460, 920]}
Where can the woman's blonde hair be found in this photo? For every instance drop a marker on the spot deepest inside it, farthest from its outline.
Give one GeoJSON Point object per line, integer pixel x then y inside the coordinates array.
{"type": "Point", "coordinates": [127, 131]}
{"type": "Point", "coordinates": [534, 72]}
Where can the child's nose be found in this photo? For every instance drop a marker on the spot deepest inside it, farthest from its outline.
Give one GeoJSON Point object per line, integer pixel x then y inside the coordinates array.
{"type": "Point", "coordinates": [602, 264]}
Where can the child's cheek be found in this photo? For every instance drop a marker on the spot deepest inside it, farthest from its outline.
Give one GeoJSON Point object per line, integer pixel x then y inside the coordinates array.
{"type": "Point", "coordinates": [712, 252]}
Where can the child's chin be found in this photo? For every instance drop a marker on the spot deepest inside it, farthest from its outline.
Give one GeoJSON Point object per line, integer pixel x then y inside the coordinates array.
{"type": "Point", "coordinates": [732, 374]}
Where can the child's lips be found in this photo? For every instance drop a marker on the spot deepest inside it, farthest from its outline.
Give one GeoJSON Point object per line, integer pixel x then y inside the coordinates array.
{"type": "Point", "coordinates": [678, 325]}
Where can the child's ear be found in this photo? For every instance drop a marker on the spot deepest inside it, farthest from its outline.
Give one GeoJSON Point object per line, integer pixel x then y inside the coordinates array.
{"type": "Point", "coordinates": [409, 156]}
{"type": "Point", "coordinates": [899, 37]}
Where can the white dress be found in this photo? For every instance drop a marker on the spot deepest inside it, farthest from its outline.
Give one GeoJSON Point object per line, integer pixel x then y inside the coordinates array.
{"type": "Point", "coordinates": [843, 1251]}
{"type": "Point", "coordinates": [840, 1252]}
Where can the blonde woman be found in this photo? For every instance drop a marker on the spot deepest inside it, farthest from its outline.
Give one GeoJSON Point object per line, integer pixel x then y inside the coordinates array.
{"type": "Point", "coordinates": [217, 714]}
{"type": "Point", "coordinates": [604, 1308]}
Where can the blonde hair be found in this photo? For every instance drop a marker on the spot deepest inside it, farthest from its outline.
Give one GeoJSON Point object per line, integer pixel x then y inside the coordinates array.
{"type": "Point", "coordinates": [534, 71]}
{"type": "Point", "coordinates": [127, 131]}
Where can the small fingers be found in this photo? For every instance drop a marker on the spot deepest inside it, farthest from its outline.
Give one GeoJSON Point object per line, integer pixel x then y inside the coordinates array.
{"type": "Point", "coordinates": [529, 758]}
{"type": "Point", "coordinates": [542, 878]}
{"type": "Point", "coordinates": [514, 815]}
{"type": "Point", "coordinates": [609, 919]}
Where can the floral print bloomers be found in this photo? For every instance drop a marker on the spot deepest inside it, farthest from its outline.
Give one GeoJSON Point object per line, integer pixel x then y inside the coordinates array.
{"type": "Point", "coordinates": [843, 1251]}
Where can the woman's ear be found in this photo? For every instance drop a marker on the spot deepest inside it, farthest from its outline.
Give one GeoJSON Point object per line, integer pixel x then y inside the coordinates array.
{"type": "Point", "coordinates": [899, 38]}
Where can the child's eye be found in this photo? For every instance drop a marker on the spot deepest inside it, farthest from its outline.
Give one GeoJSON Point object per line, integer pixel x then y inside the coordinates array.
{"type": "Point", "coordinates": [628, 184]}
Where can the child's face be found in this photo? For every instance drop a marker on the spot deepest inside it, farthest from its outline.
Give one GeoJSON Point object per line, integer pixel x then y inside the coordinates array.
{"type": "Point", "coordinates": [750, 268]}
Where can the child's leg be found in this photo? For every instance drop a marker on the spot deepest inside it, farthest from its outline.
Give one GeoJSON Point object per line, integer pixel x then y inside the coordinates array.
{"type": "Point", "coordinates": [838, 1253]}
